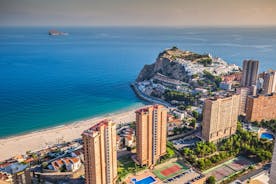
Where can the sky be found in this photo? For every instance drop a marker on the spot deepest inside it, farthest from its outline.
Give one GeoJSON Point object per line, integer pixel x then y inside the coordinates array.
{"type": "Point", "coordinates": [138, 12]}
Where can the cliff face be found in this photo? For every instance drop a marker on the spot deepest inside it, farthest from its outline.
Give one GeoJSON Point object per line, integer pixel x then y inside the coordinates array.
{"type": "Point", "coordinates": [181, 65]}
{"type": "Point", "coordinates": [164, 66]}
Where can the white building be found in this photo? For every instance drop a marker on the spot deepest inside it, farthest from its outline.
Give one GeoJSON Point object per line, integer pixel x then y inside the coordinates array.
{"type": "Point", "coordinates": [71, 164]}
{"type": "Point", "coordinates": [180, 115]}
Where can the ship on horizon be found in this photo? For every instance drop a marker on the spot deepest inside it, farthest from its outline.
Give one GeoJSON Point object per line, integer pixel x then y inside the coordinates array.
{"type": "Point", "coordinates": [56, 33]}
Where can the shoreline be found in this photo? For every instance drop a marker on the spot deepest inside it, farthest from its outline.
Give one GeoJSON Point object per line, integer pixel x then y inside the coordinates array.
{"type": "Point", "coordinates": [64, 124]}
{"type": "Point", "coordinates": [36, 140]}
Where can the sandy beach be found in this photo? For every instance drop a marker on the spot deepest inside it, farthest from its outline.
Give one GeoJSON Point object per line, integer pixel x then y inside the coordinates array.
{"type": "Point", "coordinates": [12, 146]}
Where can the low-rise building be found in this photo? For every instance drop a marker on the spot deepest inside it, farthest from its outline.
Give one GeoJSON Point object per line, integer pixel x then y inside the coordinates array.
{"type": "Point", "coordinates": [130, 140]}
{"type": "Point", "coordinates": [232, 77]}
{"type": "Point", "coordinates": [225, 86]}
{"type": "Point", "coordinates": [174, 123]}
{"type": "Point", "coordinates": [169, 82]}
{"type": "Point", "coordinates": [5, 178]}
{"type": "Point", "coordinates": [180, 114]}
{"type": "Point", "coordinates": [125, 137]}
{"type": "Point", "coordinates": [70, 164]}
{"type": "Point", "coordinates": [17, 173]}
{"type": "Point", "coordinates": [19, 158]}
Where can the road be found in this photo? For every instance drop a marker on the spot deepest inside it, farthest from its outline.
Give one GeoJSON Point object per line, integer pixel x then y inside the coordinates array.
{"type": "Point", "coordinates": [265, 168]}
{"type": "Point", "coordinates": [149, 98]}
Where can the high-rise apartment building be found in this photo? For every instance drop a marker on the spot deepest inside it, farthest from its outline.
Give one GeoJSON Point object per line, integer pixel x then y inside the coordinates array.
{"type": "Point", "coordinates": [260, 108]}
{"type": "Point", "coordinates": [272, 179]}
{"type": "Point", "coordinates": [269, 85]}
{"type": "Point", "coordinates": [243, 92]}
{"type": "Point", "coordinates": [250, 73]}
{"type": "Point", "coordinates": [100, 154]}
{"type": "Point", "coordinates": [151, 132]}
{"type": "Point", "coordinates": [220, 117]}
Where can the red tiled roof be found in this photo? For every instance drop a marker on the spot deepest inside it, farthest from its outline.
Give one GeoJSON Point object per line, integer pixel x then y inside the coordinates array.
{"type": "Point", "coordinates": [78, 152]}
{"type": "Point", "coordinates": [4, 165]}
{"type": "Point", "coordinates": [75, 159]}
{"type": "Point", "coordinates": [29, 160]}
{"type": "Point", "coordinates": [129, 137]}
{"type": "Point", "coordinates": [66, 160]}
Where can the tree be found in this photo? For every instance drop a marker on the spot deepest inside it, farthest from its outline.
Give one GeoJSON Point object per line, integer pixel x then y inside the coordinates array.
{"type": "Point", "coordinates": [63, 169]}
{"type": "Point", "coordinates": [170, 152]}
{"type": "Point", "coordinates": [205, 61]}
{"type": "Point", "coordinates": [201, 163]}
{"type": "Point", "coordinates": [44, 165]}
{"type": "Point", "coordinates": [211, 180]}
{"type": "Point", "coordinates": [193, 123]}
{"type": "Point", "coordinates": [195, 114]}
{"type": "Point", "coordinates": [181, 107]}
{"type": "Point", "coordinates": [174, 48]}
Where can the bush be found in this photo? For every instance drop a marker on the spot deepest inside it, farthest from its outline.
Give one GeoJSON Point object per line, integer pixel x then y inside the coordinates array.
{"type": "Point", "coordinates": [211, 180]}
{"type": "Point", "coordinates": [205, 61]}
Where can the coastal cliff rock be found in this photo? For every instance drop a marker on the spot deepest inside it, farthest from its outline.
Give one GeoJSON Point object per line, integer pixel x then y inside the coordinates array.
{"type": "Point", "coordinates": [181, 65]}
{"type": "Point", "coordinates": [164, 65]}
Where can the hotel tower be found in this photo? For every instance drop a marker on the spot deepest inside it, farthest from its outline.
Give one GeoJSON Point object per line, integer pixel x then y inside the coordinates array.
{"type": "Point", "coordinates": [220, 117]}
{"type": "Point", "coordinates": [100, 154]}
{"type": "Point", "coordinates": [151, 132]}
{"type": "Point", "coordinates": [249, 73]}
{"type": "Point", "coordinates": [269, 86]}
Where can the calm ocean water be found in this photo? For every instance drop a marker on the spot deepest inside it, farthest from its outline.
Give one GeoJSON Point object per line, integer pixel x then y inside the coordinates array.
{"type": "Point", "coordinates": [48, 81]}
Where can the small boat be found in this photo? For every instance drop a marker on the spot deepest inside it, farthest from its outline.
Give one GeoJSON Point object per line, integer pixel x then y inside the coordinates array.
{"type": "Point", "coordinates": [56, 33]}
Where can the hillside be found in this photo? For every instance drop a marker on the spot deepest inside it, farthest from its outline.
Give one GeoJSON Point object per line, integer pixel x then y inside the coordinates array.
{"type": "Point", "coordinates": [182, 65]}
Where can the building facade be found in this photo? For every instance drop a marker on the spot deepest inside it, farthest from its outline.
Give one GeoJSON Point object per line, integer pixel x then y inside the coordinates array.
{"type": "Point", "coordinates": [250, 73]}
{"type": "Point", "coordinates": [272, 179]}
{"type": "Point", "coordinates": [260, 108]}
{"type": "Point", "coordinates": [100, 153]}
{"type": "Point", "coordinates": [243, 92]}
{"type": "Point", "coordinates": [269, 85]}
{"type": "Point", "coordinates": [151, 132]}
{"type": "Point", "coordinates": [220, 117]}
{"type": "Point", "coordinates": [23, 177]}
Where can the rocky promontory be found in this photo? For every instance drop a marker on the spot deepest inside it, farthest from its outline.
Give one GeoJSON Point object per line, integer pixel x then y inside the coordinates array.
{"type": "Point", "coordinates": [182, 65]}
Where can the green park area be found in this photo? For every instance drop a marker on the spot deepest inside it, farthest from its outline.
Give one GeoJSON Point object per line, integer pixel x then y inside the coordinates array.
{"type": "Point", "coordinates": [243, 143]}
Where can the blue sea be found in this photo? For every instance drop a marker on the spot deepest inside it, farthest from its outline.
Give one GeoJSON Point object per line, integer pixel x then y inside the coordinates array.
{"type": "Point", "coordinates": [52, 80]}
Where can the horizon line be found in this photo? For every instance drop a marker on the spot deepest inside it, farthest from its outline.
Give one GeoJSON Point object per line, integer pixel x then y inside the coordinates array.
{"type": "Point", "coordinates": [150, 26]}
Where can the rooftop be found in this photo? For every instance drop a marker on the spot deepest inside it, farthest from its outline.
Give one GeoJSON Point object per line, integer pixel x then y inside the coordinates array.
{"type": "Point", "coordinates": [146, 109]}
{"type": "Point", "coordinates": [15, 168]}
{"type": "Point", "coordinates": [96, 127]}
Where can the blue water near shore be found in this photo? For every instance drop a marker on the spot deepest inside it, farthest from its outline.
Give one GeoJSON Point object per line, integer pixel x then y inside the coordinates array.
{"type": "Point", "coordinates": [48, 81]}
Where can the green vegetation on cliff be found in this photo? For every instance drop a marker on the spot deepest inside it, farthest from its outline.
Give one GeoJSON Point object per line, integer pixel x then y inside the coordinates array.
{"type": "Point", "coordinates": [205, 61]}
